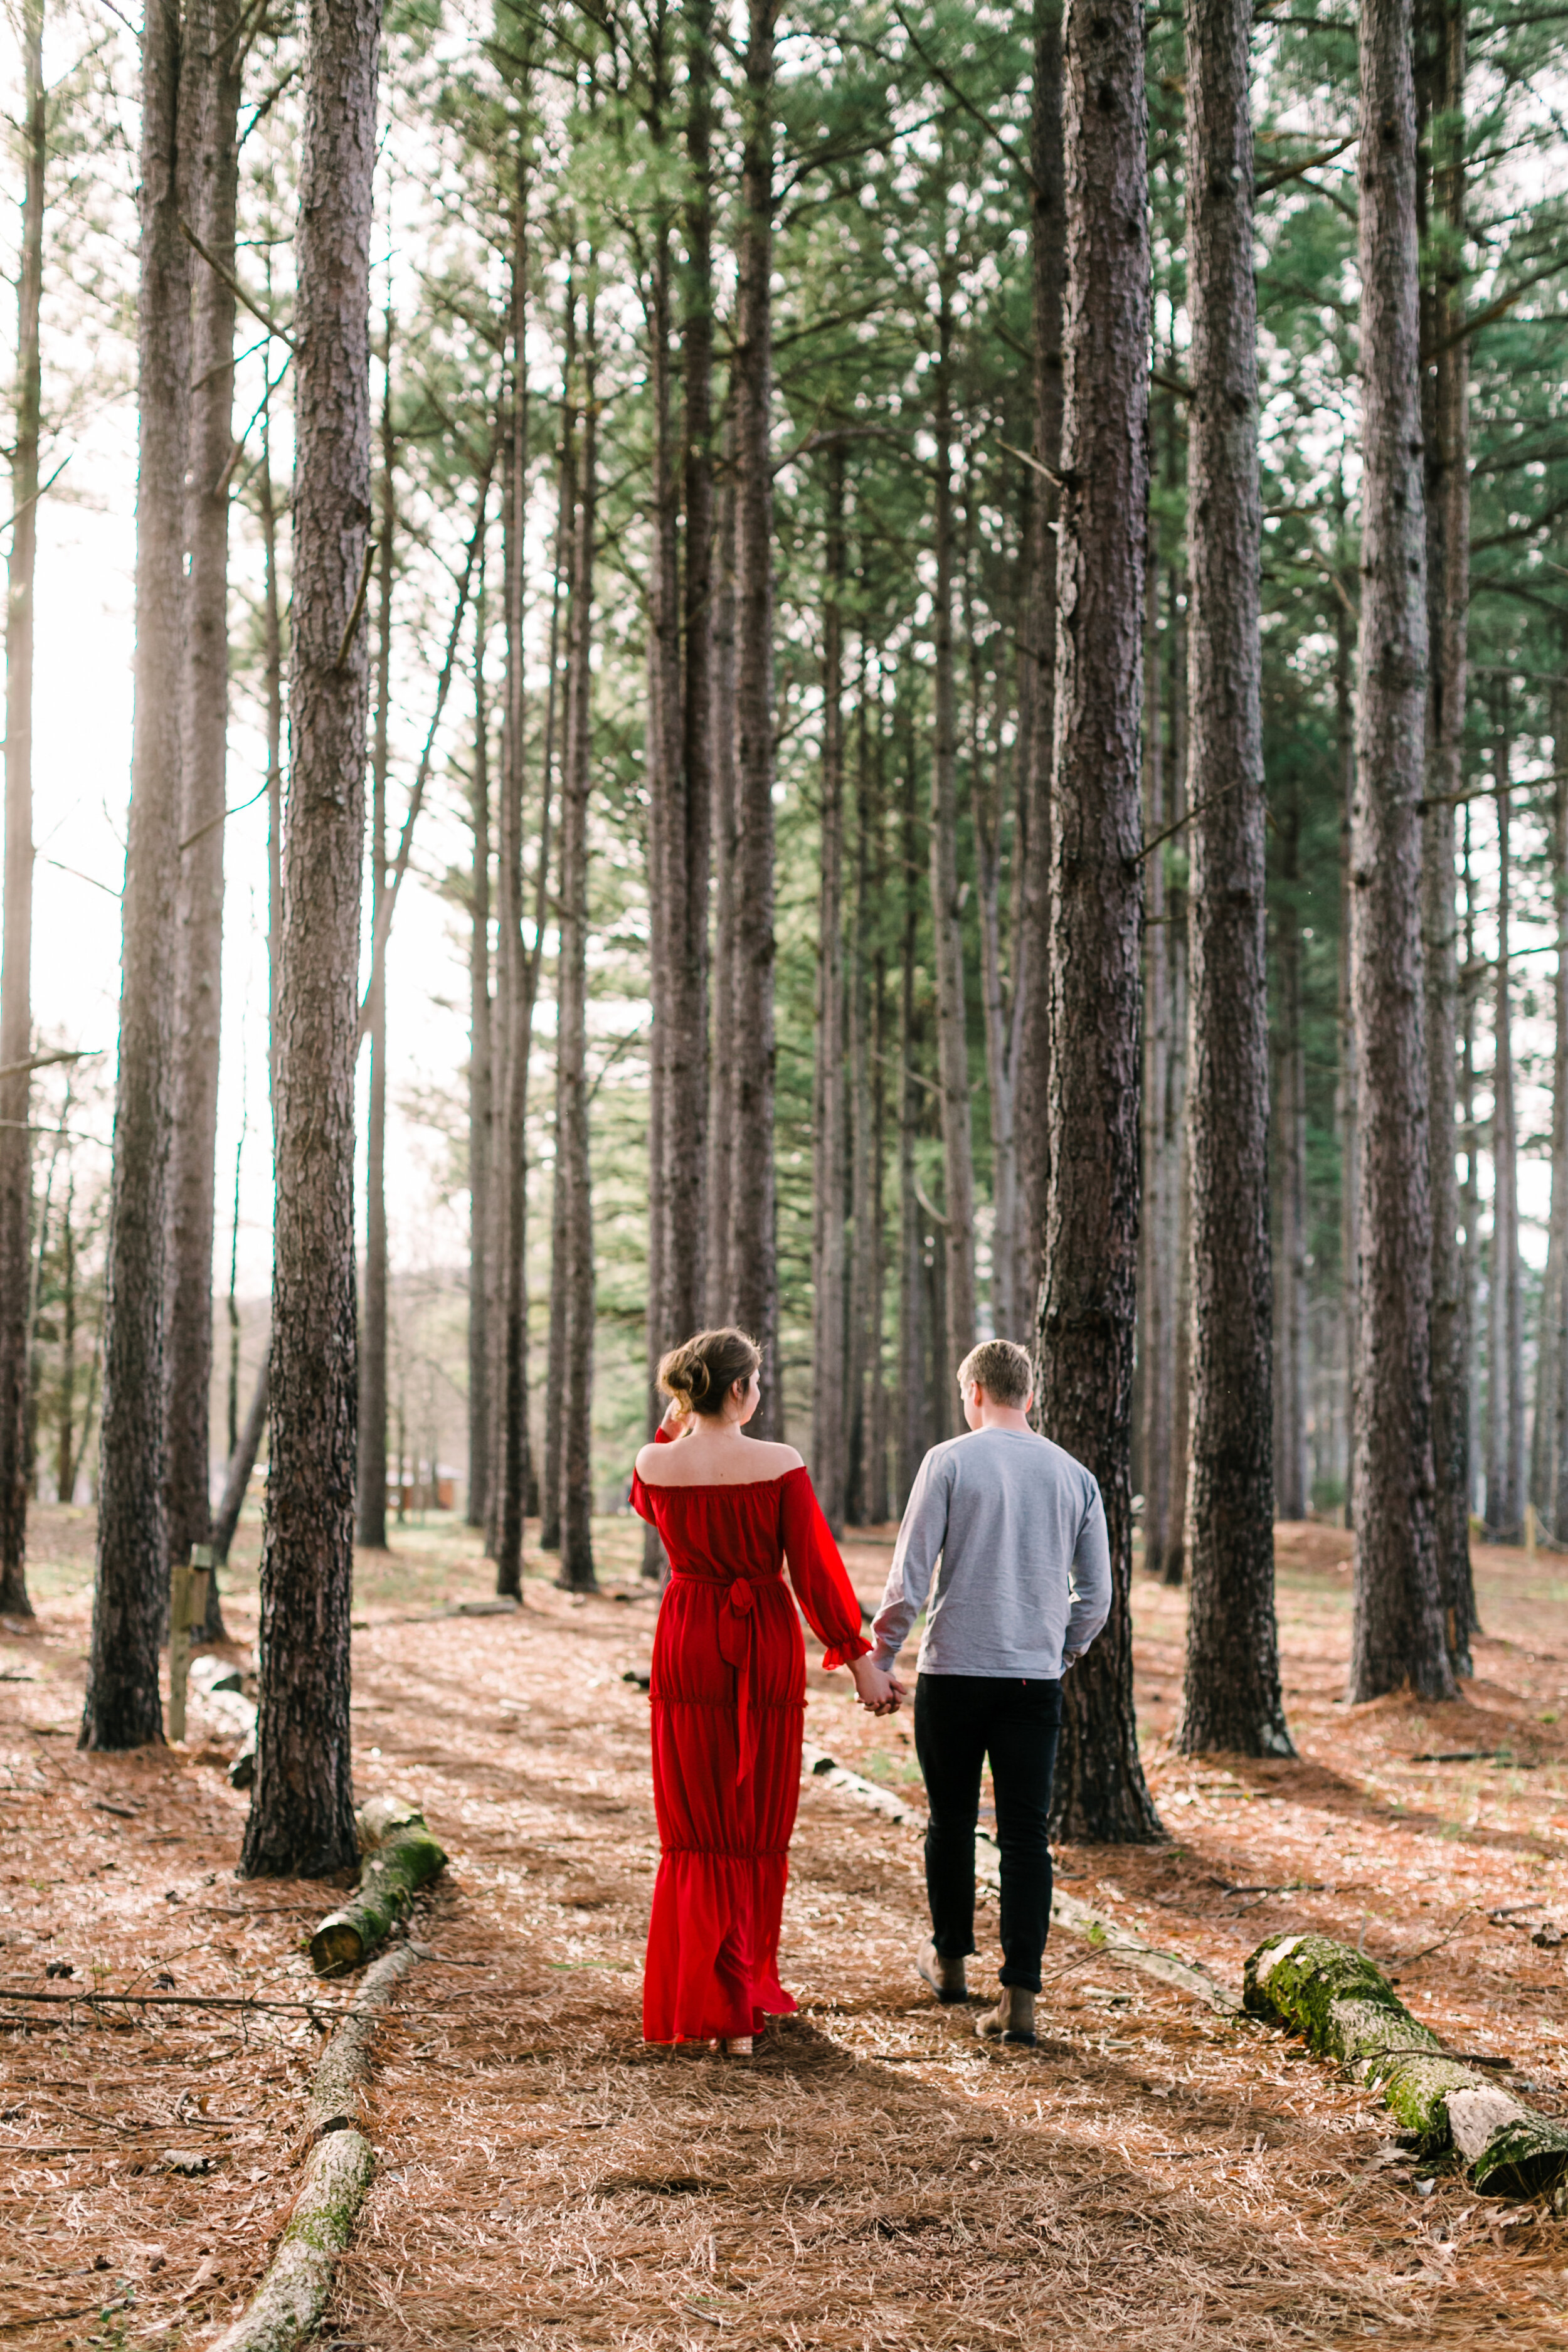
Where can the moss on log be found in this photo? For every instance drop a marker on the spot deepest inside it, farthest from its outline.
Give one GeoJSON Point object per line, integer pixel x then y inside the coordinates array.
{"type": "Point", "coordinates": [1346, 2008]}
{"type": "Point", "coordinates": [401, 1856]}
{"type": "Point", "coordinates": [293, 2294]}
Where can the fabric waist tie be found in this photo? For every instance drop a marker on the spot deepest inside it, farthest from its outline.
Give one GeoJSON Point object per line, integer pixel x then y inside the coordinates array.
{"type": "Point", "coordinates": [737, 1647]}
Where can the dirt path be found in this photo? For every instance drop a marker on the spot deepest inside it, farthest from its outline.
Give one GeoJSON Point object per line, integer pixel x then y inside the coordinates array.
{"type": "Point", "coordinates": [874, 2178]}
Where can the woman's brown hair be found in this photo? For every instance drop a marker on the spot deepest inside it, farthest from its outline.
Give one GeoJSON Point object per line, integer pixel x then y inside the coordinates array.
{"type": "Point", "coordinates": [700, 1372]}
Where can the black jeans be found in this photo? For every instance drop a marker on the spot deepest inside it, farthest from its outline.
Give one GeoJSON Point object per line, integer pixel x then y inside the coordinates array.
{"type": "Point", "coordinates": [959, 1720]}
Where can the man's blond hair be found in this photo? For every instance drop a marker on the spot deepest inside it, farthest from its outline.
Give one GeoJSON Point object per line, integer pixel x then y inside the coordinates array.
{"type": "Point", "coordinates": [1002, 1368]}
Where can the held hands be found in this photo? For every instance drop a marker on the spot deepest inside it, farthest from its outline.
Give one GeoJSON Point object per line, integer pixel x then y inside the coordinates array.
{"type": "Point", "coordinates": [879, 1691]}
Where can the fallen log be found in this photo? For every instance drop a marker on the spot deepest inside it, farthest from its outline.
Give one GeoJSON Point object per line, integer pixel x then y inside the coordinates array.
{"type": "Point", "coordinates": [401, 1856]}
{"type": "Point", "coordinates": [294, 2291]}
{"type": "Point", "coordinates": [1345, 2008]}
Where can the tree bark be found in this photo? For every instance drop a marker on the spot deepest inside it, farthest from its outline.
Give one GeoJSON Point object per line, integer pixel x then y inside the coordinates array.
{"type": "Point", "coordinates": [372, 1494]}
{"type": "Point", "coordinates": [753, 1236]}
{"type": "Point", "coordinates": [572, 1162]}
{"type": "Point", "coordinates": [829, 1398]}
{"type": "Point", "coordinates": [565, 559]}
{"type": "Point", "coordinates": [913, 1425]}
{"type": "Point", "coordinates": [1232, 1698]}
{"type": "Point", "coordinates": [1553, 1485]}
{"type": "Point", "coordinates": [1293, 1478]}
{"type": "Point", "coordinates": [209, 165]}
{"type": "Point", "coordinates": [122, 1708]}
{"type": "Point", "coordinates": [721, 1305]}
{"type": "Point", "coordinates": [952, 1030]}
{"type": "Point", "coordinates": [1347, 1092]}
{"type": "Point", "coordinates": [1397, 1628]}
{"type": "Point", "coordinates": [1448, 507]}
{"type": "Point", "coordinates": [1505, 1358]}
{"type": "Point", "coordinates": [868, 1461]}
{"type": "Point", "coordinates": [16, 959]}
{"type": "Point", "coordinates": [1036, 668]}
{"type": "Point", "coordinates": [302, 1816]}
{"type": "Point", "coordinates": [1084, 1376]}
{"type": "Point", "coordinates": [482, 1095]}
{"type": "Point", "coordinates": [516, 971]}
{"type": "Point", "coordinates": [237, 1482]}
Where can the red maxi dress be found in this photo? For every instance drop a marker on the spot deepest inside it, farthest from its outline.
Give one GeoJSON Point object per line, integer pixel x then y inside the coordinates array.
{"type": "Point", "coordinates": [728, 1688]}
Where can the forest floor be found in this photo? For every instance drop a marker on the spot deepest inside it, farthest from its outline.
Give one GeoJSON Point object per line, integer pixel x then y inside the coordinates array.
{"type": "Point", "coordinates": [874, 2178]}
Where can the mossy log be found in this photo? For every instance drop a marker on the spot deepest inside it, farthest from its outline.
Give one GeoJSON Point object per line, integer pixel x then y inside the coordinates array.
{"type": "Point", "coordinates": [401, 1856]}
{"type": "Point", "coordinates": [293, 2294]}
{"type": "Point", "coordinates": [1346, 2008]}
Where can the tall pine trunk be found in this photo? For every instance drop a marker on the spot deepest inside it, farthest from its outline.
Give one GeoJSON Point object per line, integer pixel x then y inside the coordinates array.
{"type": "Point", "coordinates": [1037, 665]}
{"type": "Point", "coordinates": [720, 1306]}
{"type": "Point", "coordinates": [517, 970]}
{"type": "Point", "coordinates": [1347, 1091]}
{"type": "Point", "coordinates": [481, 1094]}
{"type": "Point", "coordinates": [753, 1237]}
{"type": "Point", "coordinates": [913, 1427]}
{"type": "Point", "coordinates": [1448, 539]}
{"type": "Point", "coordinates": [1505, 1353]}
{"type": "Point", "coordinates": [1291, 1477]}
{"type": "Point", "coordinates": [1084, 1379]}
{"type": "Point", "coordinates": [1232, 1699]}
{"type": "Point", "coordinates": [564, 561]}
{"type": "Point", "coordinates": [829, 1399]}
{"type": "Point", "coordinates": [1398, 1626]}
{"type": "Point", "coordinates": [372, 1495]}
{"type": "Point", "coordinates": [1554, 1463]}
{"type": "Point", "coordinates": [16, 962]}
{"type": "Point", "coordinates": [209, 163]}
{"type": "Point", "coordinates": [868, 1500]}
{"type": "Point", "coordinates": [122, 1708]}
{"type": "Point", "coordinates": [951, 1029]}
{"type": "Point", "coordinates": [302, 1816]}
{"type": "Point", "coordinates": [572, 1164]}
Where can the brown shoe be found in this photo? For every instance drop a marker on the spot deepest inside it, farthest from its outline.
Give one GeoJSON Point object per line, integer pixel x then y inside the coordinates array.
{"type": "Point", "coordinates": [738, 2045]}
{"type": "Point", "coordinates": [945, 1978]}
{"type": "Point", "coordinates": [1012, 2020]}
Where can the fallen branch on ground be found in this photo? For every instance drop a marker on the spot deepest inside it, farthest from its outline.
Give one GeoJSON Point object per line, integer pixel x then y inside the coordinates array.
{"type": "Point", "coordinates": [1346, 2008]}
{"type": "Point", "coordinates": [293, 2293]}
{"type": "Point", "coordinates": [401, 1856]}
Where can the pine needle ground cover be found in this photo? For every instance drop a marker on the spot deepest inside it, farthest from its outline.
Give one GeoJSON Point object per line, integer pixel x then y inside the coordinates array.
{"type": "Point", "coordinates": [874, 2178]}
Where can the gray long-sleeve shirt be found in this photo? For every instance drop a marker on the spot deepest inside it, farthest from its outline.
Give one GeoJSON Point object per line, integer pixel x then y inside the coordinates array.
{"type": "Point", "coordinates": [1025, 1566]}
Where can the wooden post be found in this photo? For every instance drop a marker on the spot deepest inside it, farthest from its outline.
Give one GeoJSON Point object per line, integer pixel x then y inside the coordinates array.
{"type": "Point", "coordinates": [187, 1613]}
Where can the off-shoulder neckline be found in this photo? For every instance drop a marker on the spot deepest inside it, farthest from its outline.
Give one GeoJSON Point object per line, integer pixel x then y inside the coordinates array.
{"type": "Point", "coordinates": [714, 1485]}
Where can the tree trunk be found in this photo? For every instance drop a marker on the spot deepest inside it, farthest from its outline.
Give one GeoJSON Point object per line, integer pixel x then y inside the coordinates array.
{"type": "Point", "coordinates": [1470, 1198]}
{"type": "Point", "coordinates": [1555, 1483]}
{"type": "Point", "coordinates": [1397, 1632]}
{"type": "Point", "coordinates": [373, 1326]}
{"type": "Point", "coordinates": [721, 1303]}
{"type": "Point", "coordinates": [868, 1467]}
{"type": "Point", "coordinates": [1347, 1092]}
{"type": "Point", "coordinates": [684, 1057]}
{"type": "Point", "coordinates": [237, 1483]}
{"type": "Point", "coordinates": [302, 1816]}
{"type": "Point", "coordinates": [572, 1164]}
{"type": "Point", "coordinates": [15, 961]}
{"type": "Point", "coordinates": [1084, 1377]}
{"type": "Point", "coordinates": [1232, 1698]}
{"type": "Point", "coordinates": [913, 1422]}
{"type": "Point", "coordinates": [1292, 1479]}
{"type": "Point", "coordinates": [64, 1458]}
{"type": "Point", "coordinates": [753, 1237]}
{"type": "Point", "coordinates": [1161, 1141]}
{"type": "Point", "coordinates": [565, 558]}
{"type": "Point", "coordinates": [481, 1095]}
{"type": "Point", "coordinates": [209, 165]}
{"type": "Point", "coordinates": [1449, 497]}
{"type": "Point", "coordinates": [1036, 668]}
{"type": "Point", "coordinates": [515, 990]}
{"type": "Point", "coordinates": [951, 1031]}
{"type": "Point", "coordinates": [122, 1708]}
{"type": "Point", "coordinates": [998, 1014]}
{"type": "Point", "coordinates": [830, 1400]}
{"type": "Point", "coordinates": [1505, 1367]}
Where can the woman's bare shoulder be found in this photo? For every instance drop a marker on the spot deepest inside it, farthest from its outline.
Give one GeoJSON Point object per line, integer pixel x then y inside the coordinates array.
{"type": "Point", "coordinates": [773, 1461]}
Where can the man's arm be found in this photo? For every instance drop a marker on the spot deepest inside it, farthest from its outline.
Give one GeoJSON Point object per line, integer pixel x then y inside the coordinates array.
{"type": "Point", "coordinates": [915, 1555]}
{"type": "Point", "coordinates": [1088, 1584]}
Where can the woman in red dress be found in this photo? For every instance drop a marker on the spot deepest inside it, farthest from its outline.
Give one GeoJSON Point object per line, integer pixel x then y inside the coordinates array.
{"type": "Point", "coordinates": [728, 1689]}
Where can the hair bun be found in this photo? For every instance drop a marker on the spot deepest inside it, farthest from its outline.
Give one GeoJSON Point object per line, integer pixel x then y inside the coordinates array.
{"type": "Point", "coordinates": [700, 1373]}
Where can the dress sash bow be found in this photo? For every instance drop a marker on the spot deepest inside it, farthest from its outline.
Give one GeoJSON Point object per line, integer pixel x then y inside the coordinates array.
{"type": "Point", "coordinates": [736, 1621]}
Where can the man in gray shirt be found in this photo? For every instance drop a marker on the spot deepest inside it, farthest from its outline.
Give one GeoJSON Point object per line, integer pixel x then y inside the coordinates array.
{"type": "Point", "coordinates": [1023, 1589]}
